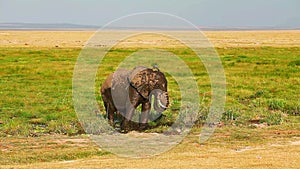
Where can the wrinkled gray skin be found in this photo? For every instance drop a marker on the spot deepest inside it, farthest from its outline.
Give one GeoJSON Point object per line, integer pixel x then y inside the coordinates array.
{"type": "Point", "coordinates": [124, 90]}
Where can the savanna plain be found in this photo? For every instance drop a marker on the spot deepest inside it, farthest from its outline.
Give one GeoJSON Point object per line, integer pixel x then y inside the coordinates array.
{"type": "Point", "coordinates": [260, 126]}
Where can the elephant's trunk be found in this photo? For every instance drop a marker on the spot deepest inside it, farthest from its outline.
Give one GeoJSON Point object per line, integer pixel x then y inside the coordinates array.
{"type": "Point", "coordinates": [161, 101]}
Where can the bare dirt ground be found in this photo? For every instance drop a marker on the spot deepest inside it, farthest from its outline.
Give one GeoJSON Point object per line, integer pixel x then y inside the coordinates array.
{"type": "Point", "coordinates": [188, 154]}
{"type": "Point", "coordinates": [196, 157]}
{"type": "Point", "coordinates": [220, 39]}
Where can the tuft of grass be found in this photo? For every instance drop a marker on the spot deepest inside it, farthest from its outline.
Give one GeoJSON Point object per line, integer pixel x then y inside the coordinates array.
{"type": "Point", "coordinates": [294, 63]}
{"type": "Point", "coordinates": [276, 104]}
{"type": "Point", "coordinates": [274, 118]}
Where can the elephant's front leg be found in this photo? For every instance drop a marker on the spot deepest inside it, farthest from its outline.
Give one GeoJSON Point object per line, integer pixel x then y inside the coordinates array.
{"type": "Point", "coordinates": [130, 110]}
{"type": "Point", "coordinates": [146, 107]}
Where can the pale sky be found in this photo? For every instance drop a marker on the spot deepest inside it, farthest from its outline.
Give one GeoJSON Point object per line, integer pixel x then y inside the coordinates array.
{"type": "Point", "coordinates": [199, 12]}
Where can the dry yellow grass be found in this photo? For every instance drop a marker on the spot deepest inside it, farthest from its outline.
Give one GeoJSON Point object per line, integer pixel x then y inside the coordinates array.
{"type": "Point", "coordinates": [193, 155]}
{"type": "Point", "coordinates": [267, 148]}
{"type": "Point", "coordinates": [221, 39]}
{"type": "Point", "coordinates": [43, 38]}
{"type": "Point", "coordinates": [255, 38]}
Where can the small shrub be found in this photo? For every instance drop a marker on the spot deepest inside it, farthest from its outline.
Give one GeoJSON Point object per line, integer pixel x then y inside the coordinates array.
{"type": "Point", "coordinates": [231, 64]}
{"type": "Point", "coordinates": [276, 104]}
{"type": "Point", "coordinates": [63, 127]}
{"type": "Point", "coordinates": [258, 102]}
{"type": "Point", "coordinates": [259, 93]}
{"type": "Point", "coordinates": [203, 115]}
{"type": "Point", "coordinates": [294, 63]}
{"type": "Point", "coordinates": [168, 118]}
{"type": "Point", "coordinates": [243, 57]}
{"type": "Point", "coordinates": [293, 110]}
{"type": "Point", "coordinates": [230, 115]}
{"type": "Point", "coordinates": [273, 118]}
{"type": "Point", "coordinates": [17, 126]}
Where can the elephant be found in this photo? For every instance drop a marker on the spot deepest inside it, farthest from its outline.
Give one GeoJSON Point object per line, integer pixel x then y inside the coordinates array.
{"type": "Point", "coordinates": [124, 90]}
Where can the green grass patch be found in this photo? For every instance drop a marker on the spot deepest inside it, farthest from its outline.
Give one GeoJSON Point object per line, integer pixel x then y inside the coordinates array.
{"type": "Point", "coordinates": [36, 87]}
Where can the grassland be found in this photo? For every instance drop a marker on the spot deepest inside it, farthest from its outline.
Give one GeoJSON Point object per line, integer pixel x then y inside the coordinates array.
{"type": "Point", "coordinates": [220, 39]}
{"type": "Point", "coordinates": [262, 107]}
{"type": "Point", "coordinates": [262, 84]}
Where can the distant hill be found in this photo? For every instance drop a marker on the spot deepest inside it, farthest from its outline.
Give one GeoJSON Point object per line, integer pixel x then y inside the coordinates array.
{"type": "Point", "coordinates": [37, 26]}
{"type": "Point", "coordinates": [67, 26]}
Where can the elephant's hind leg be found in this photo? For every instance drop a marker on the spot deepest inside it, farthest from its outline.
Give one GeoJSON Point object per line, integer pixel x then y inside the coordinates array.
{"type": "Point", "coordinates": [110, 110]}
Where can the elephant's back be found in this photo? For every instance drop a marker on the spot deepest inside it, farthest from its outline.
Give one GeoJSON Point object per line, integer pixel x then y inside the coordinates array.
{"type": "Point", "coordinates": [118, 76]}
{"type": "Point", "coordinates": [107, 83]}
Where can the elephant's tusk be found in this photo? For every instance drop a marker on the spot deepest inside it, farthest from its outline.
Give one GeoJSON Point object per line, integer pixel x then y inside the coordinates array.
{"type": "Point", "coordinates": [161, 105]}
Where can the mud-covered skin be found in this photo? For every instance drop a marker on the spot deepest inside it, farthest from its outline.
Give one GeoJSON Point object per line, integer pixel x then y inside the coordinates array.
{"type": "Point", "coordinates": [124, 90]}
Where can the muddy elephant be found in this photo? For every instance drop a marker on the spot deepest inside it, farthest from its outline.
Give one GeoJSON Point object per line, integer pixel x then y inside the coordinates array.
{"type": "Point", "coordinates": [124, 90]}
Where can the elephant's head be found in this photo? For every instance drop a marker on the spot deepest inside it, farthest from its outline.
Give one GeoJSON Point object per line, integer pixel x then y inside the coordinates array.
{"type": "Point", "coordinates": [151, 82]}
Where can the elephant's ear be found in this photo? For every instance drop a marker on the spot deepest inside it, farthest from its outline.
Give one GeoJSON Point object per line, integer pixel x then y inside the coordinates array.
{"type": "Point", "coordinates": [139, 79]}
